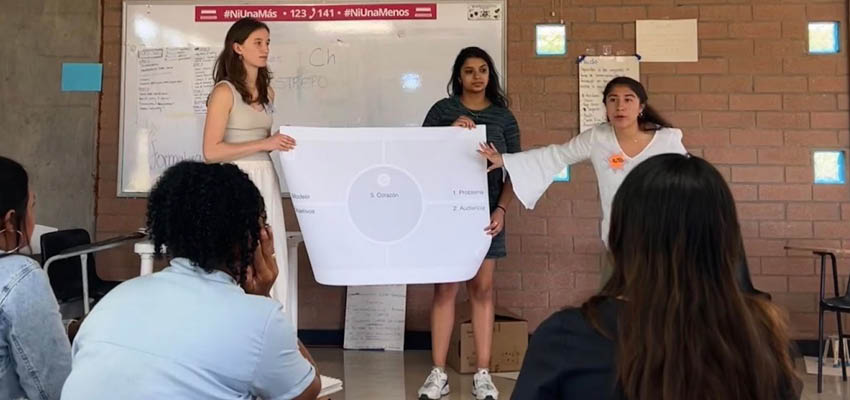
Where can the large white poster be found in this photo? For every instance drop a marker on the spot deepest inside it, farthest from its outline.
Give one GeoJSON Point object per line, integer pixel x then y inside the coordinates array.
{"type": "Point", "coordinates": [389, 205]}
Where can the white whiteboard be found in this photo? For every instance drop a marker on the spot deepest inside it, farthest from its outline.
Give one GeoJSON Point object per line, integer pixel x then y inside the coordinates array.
{"type": "Point", "coordinates": [594, 72]}
{"type": "Point", "coordinates": [367, 73]}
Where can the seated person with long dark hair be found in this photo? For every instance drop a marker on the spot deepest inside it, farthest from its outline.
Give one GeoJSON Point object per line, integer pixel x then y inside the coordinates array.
{"type": "Point", "coordinates": [204, 327]}
{"type": "Point", "coordinates": [35, 356]}
{"type": "Point", "coordinates": [672, 323]}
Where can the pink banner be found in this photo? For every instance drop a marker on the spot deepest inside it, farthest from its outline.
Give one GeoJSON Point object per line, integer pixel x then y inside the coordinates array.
{"type": "Point", "coordinates": [348, 12]}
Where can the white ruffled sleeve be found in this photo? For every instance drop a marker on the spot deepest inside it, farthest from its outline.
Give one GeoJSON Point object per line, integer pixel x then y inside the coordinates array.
{"type": "Point", "coordinates": [532, 171]}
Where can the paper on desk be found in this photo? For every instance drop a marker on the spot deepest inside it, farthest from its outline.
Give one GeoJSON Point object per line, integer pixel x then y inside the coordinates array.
{"type": "Point", "coordinates": [35, 239]}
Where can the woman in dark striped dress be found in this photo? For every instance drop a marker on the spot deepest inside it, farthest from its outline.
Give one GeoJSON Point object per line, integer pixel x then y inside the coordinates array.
{"type": "Point", "coordinates": [475, 98]}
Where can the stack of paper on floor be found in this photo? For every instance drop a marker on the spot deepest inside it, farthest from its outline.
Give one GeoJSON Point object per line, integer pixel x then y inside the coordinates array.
{"type": "Point", "coordinates": [829, 368]}
{"type": "Point", "coordinates": [330, 386]}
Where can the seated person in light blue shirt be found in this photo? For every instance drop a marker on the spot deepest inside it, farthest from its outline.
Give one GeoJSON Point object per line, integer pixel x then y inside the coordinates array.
{"type": "Point", "coordinates": [35, 355]}
{"type": "Point", "coordinates": [204, 327]}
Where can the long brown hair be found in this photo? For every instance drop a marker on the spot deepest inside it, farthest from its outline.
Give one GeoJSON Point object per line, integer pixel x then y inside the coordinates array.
{"type": "Point", "coordinates": [685, 329]}
{"type": "Point", "coordinates": [229, 66]}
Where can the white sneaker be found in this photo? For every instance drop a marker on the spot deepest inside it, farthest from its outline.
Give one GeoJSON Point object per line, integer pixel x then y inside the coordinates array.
{"type": "Point", "coordinates": [483, 387]}
{"type": "Point", "coordinates": [436, 385]}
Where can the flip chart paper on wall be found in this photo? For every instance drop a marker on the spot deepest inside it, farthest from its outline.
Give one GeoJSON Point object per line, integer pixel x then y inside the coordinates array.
{"type": "Point", "coordinates": [667, 40]}
{"type": "Point", "coordinates": [389, 205]}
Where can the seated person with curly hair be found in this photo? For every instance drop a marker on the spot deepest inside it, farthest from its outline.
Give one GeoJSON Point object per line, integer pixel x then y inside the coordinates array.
{"type": "Point", "coordinates": [204, 327]}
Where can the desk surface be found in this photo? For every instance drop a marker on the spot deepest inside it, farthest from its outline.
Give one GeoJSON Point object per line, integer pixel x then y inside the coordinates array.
{"type": "Point", "coordinates": [837, 252]}
{"type": "Point", "coordinates": [293, 239]}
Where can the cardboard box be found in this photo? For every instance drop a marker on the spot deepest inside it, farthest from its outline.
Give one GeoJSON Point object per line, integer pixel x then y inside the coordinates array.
{"type": "Point", "coordinates": [510, 341]}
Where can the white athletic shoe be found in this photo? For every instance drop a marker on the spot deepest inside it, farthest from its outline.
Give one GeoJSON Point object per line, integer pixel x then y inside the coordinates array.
{"type": "Point", "coordinates": [483, 387]}
{"type": "Point", "coordinates": [436, 385]}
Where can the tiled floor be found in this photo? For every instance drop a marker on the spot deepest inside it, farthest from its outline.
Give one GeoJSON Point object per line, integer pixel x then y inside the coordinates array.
{"type": "Point", "coordinates": [376, 375]}
{"type": "Point", "coordinates": [833, 387]}
{"type": "Point", "coordinates": [395, 375]}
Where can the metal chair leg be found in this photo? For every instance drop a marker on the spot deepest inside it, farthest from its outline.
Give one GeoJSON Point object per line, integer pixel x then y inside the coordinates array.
{"type": "Point", "coordinates": [84, 271]}
{"type": "Point", "coordinates": [840, 350]}
{"type": "Point", "coordinates": [820, 355]}
{"type": "Point", "coordinates": [846, 349]}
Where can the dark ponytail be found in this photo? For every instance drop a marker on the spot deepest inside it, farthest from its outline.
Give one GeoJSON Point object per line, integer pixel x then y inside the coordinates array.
{"type": "Point", "coordinates": [649, 119]}
{"type": "Point", "coordinates": [14, 194]}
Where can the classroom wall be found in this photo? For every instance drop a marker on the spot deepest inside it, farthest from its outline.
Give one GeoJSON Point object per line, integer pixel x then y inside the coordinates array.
{"type": "Point", "coordinates": [755, 105]}
{"type": "Point", "coordinates": [52, 133]}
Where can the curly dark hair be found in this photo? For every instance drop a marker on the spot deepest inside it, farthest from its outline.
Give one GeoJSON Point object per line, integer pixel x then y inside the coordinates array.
{"type": "Point", "coordinates": [208, 213]}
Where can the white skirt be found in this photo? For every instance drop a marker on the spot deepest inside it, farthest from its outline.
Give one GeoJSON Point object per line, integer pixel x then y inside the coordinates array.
{"type": "Point", "coordinates": [263, 175]}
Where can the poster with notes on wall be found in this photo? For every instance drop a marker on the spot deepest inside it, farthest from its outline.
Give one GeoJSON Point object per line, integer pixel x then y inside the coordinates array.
{"type": "Point", "coordinates": [594, 72]}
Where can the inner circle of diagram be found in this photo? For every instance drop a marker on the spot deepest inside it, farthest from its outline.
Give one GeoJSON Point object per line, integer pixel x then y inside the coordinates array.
{"type": "Point", "coordinates": [385, 203]}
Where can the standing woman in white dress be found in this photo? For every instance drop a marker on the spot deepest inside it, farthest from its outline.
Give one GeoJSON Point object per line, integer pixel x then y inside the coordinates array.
{"type": "Point", "coordinates": [238, 130]}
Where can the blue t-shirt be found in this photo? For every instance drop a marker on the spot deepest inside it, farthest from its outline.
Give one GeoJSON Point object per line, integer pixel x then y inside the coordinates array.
{"type": "Point", "coordinates": [185, 333]}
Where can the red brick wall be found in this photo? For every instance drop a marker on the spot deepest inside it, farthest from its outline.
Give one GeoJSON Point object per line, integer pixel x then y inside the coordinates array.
{"type": "Point", "coordinates": [755, 104]}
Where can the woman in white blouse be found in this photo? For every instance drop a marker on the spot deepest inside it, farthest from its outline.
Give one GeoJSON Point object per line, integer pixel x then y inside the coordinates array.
{"type": "Point", "coordinates": [634, 132]}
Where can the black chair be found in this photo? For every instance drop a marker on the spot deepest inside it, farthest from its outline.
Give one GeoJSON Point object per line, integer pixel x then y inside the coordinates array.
{"type": "Point", "coordinates": [838, 304]}
{"type": "Point", "coordinates": [63, 253]}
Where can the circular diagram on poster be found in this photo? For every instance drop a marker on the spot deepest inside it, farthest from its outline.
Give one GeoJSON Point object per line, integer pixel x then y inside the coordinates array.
{"type": "Point", "coordinates": [385, 203]}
